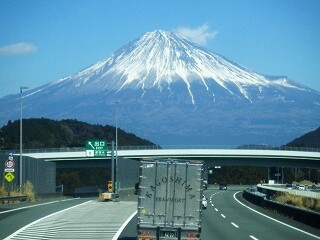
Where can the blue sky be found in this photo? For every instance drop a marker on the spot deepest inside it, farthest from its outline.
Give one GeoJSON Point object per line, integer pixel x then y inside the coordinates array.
{"type": "Point", "coordinates": [44, 40]}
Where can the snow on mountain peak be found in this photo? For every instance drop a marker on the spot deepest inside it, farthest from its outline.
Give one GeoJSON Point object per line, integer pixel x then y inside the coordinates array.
{"type": "Point", "coordinates": [160, 58]}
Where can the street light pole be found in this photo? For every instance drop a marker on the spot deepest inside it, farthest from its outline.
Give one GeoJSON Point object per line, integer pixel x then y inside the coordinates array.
{"type": "Point", "coordinates": [20, 172]}
{"type": "Point", "coordinates": [116, 179]}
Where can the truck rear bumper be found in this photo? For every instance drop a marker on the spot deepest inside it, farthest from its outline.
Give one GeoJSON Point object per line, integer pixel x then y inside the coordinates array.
{"type": "Point", "coordinates": [166, 233]}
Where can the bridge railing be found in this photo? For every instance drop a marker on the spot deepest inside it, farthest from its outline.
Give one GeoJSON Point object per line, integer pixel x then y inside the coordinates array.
{"type": "Point", "coordinates": [246, 147]}
{"type": "Point", "coordinates": [152, 147]}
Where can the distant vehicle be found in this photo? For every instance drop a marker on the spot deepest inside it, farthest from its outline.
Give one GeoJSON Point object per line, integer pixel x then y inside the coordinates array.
{"type": "Point", "coordinates": [302, 188]}
{"type": "Point", "coordinates": [170, 200]}
{"type": "Point", "coordinates": [223, 186]}
{"type": "Point", "coordinates": [288, 186]}
{"type": "Point", "coordinates": [204, 202]}
{"type": "Point", "coordinates": [205, 184]}
{"type": "Point", "coordinates": [136, 188]}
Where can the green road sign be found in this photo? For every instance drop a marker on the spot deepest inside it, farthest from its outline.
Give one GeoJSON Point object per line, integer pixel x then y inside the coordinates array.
{"type": "Point", "coordinates": [96, 148]}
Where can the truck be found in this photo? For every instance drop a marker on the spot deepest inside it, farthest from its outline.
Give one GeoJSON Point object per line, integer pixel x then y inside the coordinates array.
{"type": "Point", "coordinates": [170, 200]}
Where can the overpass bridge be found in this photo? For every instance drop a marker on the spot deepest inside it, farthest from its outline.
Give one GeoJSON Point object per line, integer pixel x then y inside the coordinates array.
{"type": "Point", "coordinates": [263, 156]}
{"type": "Point", "coordinates": [40, 165]}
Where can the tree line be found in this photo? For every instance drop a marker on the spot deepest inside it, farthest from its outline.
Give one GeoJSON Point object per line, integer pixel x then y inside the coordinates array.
{"type": "Point", "coordinates": [69, 133]}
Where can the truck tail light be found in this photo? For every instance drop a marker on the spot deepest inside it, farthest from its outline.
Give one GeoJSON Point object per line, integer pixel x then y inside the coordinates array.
{"type": "Point", "coordinates": [193, 235]}
{"type": "Point", "coordinates": [145, 235]}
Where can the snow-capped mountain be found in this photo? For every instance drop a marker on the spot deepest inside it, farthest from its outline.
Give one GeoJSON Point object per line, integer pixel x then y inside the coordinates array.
{"type": "Point", "coordinates": [173, 91]}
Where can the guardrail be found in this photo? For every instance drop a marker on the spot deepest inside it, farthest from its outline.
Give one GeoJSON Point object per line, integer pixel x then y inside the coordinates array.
{"type": "Point", "coordinates": [13, 198]}
{"type": "Point", "coordinates": [151, 147]}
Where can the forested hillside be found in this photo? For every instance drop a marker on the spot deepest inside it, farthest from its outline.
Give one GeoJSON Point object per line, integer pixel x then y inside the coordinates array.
{"type": "Point", "coordinates": [47, 133]}
{"type": "Point", "coordinates": [309, 140]}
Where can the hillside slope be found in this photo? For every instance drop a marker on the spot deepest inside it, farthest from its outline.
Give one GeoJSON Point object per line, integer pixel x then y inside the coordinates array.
{"type": "Point", "coordinates": [310, 140]}
{"type": "Point", "coordinates": [47, 133]}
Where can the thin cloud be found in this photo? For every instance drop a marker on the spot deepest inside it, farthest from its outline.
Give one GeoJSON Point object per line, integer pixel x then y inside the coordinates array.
{"type": "Point", "coordinates": [198, 35]}
{"type": "Point", "coordinates": [18, 49]}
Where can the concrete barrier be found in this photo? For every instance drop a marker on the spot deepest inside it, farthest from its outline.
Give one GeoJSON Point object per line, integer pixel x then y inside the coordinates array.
{"type": "Point", "coordinates": [270, 190]}
{"type": "Point", "coordinates": [308, 217]}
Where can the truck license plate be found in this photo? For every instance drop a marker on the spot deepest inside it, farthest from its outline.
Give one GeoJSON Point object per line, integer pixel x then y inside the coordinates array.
{"type": "Point", "coordinates": [170, 234]}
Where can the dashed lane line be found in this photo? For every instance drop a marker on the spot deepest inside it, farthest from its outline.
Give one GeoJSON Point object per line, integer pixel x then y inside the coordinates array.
{"type": "Point", "coordinates": [252, 237]}
{"type": "Point", "coordinates": [222, 215]}
{"type": "Point", "coordinates": [235, 225]}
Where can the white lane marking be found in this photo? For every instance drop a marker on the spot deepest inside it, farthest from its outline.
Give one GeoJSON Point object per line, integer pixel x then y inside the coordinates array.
{"type": "Point", "coordinates": [30, 224]}
{"type": "Point", "coordinates": [41, 204]}
{"type": "Point", "coordinates": [210, 198]}
{"type": "Point", "coordinates": [223, 215]}
{"type": "Point", "coordinates": [273, 219]}
{"type": "Point", "coordinates": [216, 209]}
{"type": "Point", "coordinates": [235, 225]}
{"type": "Point", "coordinates": [123, 226]}
{"type": "Point", "coordinates": [252, 237]}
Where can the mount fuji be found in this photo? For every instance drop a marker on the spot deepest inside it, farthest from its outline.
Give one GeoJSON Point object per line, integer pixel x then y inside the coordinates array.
{"type": "Point", "coordinates": [173, 91]}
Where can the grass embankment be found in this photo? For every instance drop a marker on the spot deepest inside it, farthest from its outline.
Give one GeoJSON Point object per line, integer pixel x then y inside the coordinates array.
{"type": "Point", "coordinates": [298, 201]}
{"type": "Point", "coordinates": [27, 190]}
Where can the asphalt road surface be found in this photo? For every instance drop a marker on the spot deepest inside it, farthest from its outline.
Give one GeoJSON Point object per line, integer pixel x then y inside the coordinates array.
{"type": "Point", "coordinates": [16, 216]}
{"type": "Point", "coordinates": [227, 216]}
{"type": "Point", "coordinates": [64, 219]}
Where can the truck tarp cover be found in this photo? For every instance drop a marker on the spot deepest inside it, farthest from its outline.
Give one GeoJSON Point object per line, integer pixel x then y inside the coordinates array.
{"type": "Point", "coordinates": [170, 194]}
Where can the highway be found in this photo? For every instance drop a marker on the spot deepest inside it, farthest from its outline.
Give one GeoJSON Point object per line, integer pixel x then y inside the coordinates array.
{"type": "Point", "coordinates": [228, 216]}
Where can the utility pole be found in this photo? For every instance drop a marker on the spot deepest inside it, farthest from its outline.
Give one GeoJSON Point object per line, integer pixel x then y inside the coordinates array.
{"type": "Point", "coordinates": [20, 172]}
{"type": "Point", "coordinates": [116, 167]}
{"type": "Point", "coordinates": [112, 167]}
